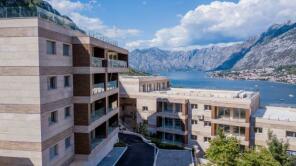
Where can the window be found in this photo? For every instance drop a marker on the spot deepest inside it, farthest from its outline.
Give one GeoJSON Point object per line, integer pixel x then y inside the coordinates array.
{"type": "Point", "coordinates": [207, 139]}
{"type": "Point", "coordinates": [194, 106]}
{"type": "Point", "coordinates": [239, 114]}
{"type": "Point", "coordinates": [207, 123]}
{"type": "Point", "coordinates": [178, 107]}
{"type": "Point", "coordinates": [51, 47]}
{"type": "Point", "coordinates": [52, 83]}
{"type": "Point", "coordinates": [223, 112]}
{"type": "Point", "coordinates": [67, 112]}
{"type": "Point", "coordinates": [53, 152]}
{"type": "Point", "coordinates": [291, 134]}
{"type": "Point", "coordinates": [67, 142]}
{"type": "Point", "coordinates": [238, 131]}
{"type": "Point", "coordinates": [66, 81]}
{"type": "Point", "coordinates": [145, 108]}
{"type": "Point", "coordinates": [258, 130]}
{"type": "Point", "coordinates": [225, 128]}
{"type": "Point", "coordinates": [168, 137]}
{"type": "Point", "coordinates": [207, 107]}
{"type": "Point", "coordinates": [178, 124]}
{"type": "Point", "coordinates": [168, 107]}
{"type": "Point", "coordinates": [53, 118]}
{"type": "Point", "coordinates": [66, 50]}
{"type": "Point", "coordinates": [168, 122]}
{"type": "Point", "coordinates": [194, 121]}
{"type": "Point", "coordinates": [194, 137]}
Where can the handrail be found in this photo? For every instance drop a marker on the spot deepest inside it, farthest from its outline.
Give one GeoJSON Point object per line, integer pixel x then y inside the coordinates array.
{"type": "Point", "coordinates": [117, 63]}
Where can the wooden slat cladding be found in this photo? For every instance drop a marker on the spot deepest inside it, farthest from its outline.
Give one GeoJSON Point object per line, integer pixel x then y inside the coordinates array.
{"type": "Point", "coordinates": [81, 55]}
{"type": "Point", "coordinates": [82, 143]}
{"type": "Point", "coordinates": [81, 114]}
{"type": "Point", "coordinates": [81, 85]}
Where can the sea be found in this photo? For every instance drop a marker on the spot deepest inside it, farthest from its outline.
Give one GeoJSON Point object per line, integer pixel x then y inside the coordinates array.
{"type": "Point", "coordinates": [271, 93]}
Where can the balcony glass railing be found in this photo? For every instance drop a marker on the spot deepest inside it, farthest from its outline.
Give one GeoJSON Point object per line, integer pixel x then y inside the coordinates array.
{"type": "Point", "coordinates": [96, 62]}
{"type": "Point", "coordinates": [98, 88]}
{"type": "Point", "coordinates": [97, 114]}
{"type": "Point", "coordinates": [117, 63]}
{"type": "Point", "coordinates": [112, 127]}
{"type": "Point", "coordinates": [95, 142]}
{"type": "Point", "coordinates": [14, 12]}
{"type": "Point", "coordinates": [112, 85]}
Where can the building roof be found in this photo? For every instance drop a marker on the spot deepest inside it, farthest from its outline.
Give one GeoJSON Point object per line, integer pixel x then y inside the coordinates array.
{"type": "Point", "coordinates": [208, 93]}
{"type": "Point", "coordinates": [276, 113]}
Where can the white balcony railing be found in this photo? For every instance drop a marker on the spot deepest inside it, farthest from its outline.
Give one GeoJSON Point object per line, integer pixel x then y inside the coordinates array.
{"type": "Point", "coordinates": [112, 85]}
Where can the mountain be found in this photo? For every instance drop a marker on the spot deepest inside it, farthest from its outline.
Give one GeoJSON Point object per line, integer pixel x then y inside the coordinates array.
{"type": "Point", "coordinates": [273, 48]}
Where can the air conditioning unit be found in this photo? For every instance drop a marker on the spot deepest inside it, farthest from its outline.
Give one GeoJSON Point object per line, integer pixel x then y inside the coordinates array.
{"type": "Point", "coordinates": [200, 117]}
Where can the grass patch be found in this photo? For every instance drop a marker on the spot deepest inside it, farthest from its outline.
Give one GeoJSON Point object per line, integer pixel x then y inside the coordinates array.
{"type": "Point", "coordinates": [161, 145]}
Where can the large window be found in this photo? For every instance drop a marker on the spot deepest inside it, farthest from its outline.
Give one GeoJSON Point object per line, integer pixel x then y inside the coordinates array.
{"type": "Point", "coordinates": [178, 124]}
{"type": "Point", "coordinates": [178, 107]}
{"type": "Point", "coordinates": [168, 123]}
{"type": "Point", "coordinates": [223, 112]}
{"type": "Point", "coordinates": [168, 107]}
{"type": "Point", "coordinates": [52, 83]}
{"type": "Point", "coordinates": [238, 131]}
{"type": "Point", "coordinates": [291, 134]}
{"type": "Point", "coordinates": [51, 47]}
{"type": "Point", "coordinates": [239, 114]}
{"type": "Point", "coordinates": [53, 152]}
{"type": "Point", "coordinates": [66, 50]}
{"type": "Point", "coordinates": [225, 128]}
{"type": "Point", "coordinates": [53, 118]}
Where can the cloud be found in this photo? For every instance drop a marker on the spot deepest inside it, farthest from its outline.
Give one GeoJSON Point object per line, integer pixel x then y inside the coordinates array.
{"type": "Point", "coordinates": [221, 22]}
{"type": "Point", "coordinates": [73, 9]}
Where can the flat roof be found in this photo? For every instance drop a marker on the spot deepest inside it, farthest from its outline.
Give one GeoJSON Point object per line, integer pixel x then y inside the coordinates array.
{"type": "Point", "coordinates": [207, 93]}
{"type": "Point", "coordinates": [144, 78]}
{"type": "Point", "coordinates": [276, 113]}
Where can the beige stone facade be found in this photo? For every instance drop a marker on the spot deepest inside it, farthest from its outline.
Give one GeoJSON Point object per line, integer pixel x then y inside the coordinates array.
{"type": "Point", "coordinates": [187, 116]}
{"type": "Point", "coordinates": [58, 99]}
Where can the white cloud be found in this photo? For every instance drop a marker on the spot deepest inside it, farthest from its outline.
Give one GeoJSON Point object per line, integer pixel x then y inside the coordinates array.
{"type": "Point", "coordinates": [220, 22]}
{"type": "Point", "coordinates": [73, 9]}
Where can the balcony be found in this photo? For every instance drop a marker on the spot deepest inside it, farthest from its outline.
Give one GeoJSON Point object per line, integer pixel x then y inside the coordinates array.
{"type": "Point", "coordinates": [97, 114]}
{"type": "Point", "coordinates": [97, 62]}
{"type": "Point", "coordinates": [112, 85]}
{"type": "Point", "coordinates": [98, 88]}
{"type": "Point", "coordinates": [95, 142]}
{"type": "Point", "coordinates": [117, 63]}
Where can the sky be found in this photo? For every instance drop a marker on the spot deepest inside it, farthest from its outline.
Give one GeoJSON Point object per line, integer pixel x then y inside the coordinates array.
{"type": "Point", "coordinates": [177, 24]}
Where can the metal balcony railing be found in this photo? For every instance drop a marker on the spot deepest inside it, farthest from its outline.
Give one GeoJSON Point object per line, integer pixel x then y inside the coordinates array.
{"type": "Point", "coordinates": [96, 62]}
{"type": "Point", "coordinates": [117, 63]}
{"type": "Point", "coordinates": [97, 114]}
{"type": "Point", "coordinates": [98, 88]}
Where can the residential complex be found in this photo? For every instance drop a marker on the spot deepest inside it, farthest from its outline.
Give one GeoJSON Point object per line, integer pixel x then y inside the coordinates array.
{"type": "Point", "coordinates": [190, 117]}
{"type": "Point", "coordinates": [59, 92]}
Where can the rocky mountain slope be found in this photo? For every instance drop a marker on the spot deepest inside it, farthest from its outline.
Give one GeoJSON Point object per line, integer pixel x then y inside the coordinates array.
{"type": "Point", "coordinates": [273, 48]}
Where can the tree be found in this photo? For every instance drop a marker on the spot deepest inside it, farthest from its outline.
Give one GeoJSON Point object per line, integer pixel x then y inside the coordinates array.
{"type": "Point", "coordinates": [223, 151]}
{"type": "Point", "coordinates": [143, 129]}
{"type": "Point", "coordinates": [259, 157]}
{"type": "Point", "coordinates": [278, 149]}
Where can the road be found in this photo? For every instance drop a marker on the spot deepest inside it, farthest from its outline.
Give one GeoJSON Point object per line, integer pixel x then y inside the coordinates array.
{"type": "Point", "coordinates": [138, 152]}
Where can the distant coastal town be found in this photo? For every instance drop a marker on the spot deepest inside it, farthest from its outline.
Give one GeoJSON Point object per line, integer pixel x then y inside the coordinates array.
{"type": "Point", "coordinates": [286, 74]}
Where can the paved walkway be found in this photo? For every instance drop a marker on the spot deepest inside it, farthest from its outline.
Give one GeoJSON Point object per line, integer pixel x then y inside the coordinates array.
{"type": "Point", "coordinates": [138, 152]}
{"type": "Point", "coordinates": [113, 156]}
{"type": "Point", "coordinates": [174, 157]}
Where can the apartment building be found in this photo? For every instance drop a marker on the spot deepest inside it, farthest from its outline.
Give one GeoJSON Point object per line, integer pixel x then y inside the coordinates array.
{"type": "Point", "coordinates": [59, 93]}
{"type": "Point", "coordinates": [185, 116]}
{"type": "Point", "coordinates": [281, 121]}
